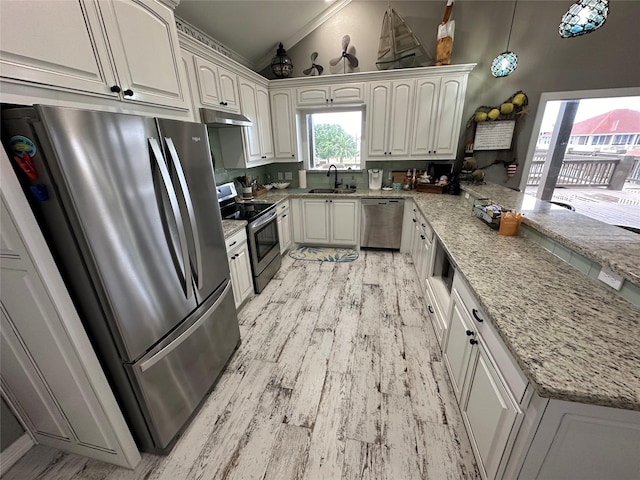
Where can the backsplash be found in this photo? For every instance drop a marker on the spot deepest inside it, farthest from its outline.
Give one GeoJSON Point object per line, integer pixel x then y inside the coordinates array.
{"type": "Point", "coordinates": [288, 172]}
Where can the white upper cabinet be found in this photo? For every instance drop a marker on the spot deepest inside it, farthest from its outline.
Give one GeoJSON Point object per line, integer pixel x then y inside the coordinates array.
{"type": "Point", "coordinates": [127, 50]}
{"type": "Point", "coordinates": [283, 121]}
{"type": "Point", "coordinates": [254, 100]}
{"type": "Point", "coordinates": [330, 94]}
{"type": "Point", "coordinates": [438, 113]}
{"type": "Point", "coordinates": [389, 118]}
{"type": "Point", "coordinates": [217, 86]}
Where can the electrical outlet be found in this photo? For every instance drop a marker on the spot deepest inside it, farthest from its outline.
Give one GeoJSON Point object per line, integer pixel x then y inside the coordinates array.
{"type": "Point", "coordinates": [612, 279]}
{"type": "Point", "coordinates": [280, 176]}
{"type": "Point", "coordinates": [288, 175]}
{"type": "Point", "coordinates": [466, 195]}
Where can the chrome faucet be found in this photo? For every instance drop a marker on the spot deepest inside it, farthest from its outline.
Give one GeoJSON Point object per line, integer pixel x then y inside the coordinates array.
{"type": "Point", "coordinates": [336, 184]}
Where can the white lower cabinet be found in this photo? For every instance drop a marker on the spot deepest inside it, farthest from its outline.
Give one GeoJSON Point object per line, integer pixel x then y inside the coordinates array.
{"type": "Point", "coordinates": [421, 246]}
{"type": "Point", "coordinates": [486, 381]}
{"type": "Point", "coordinates": [240, 267]}
{"type": "Point", "coordinates": [489, 412]}
{"type": "Point", "coordinates": [284, 226]}
{"type": "Point", "coordinates": [328, 221]}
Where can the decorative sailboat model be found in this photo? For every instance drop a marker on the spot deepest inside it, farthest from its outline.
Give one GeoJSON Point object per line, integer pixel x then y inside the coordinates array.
{"type": "Point", "coordinates": [398, 45]}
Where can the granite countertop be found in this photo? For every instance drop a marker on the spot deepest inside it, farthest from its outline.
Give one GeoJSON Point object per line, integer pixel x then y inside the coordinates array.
{"type": "Point", "coordinates": [572, 337]}
{"type": "Point", "coordinates": [231, 227]}
{"type": "Point", "coordinates": [614, 248]}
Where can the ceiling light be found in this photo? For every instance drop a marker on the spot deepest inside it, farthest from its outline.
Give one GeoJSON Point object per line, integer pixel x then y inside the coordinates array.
{"type": "Point", "coordinates": [584, 16]}
{"type": "Point", "coordinates": [507, 61]}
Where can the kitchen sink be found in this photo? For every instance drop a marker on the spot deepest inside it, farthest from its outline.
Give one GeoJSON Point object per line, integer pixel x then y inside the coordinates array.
{"type": "Point", "coordinates": [332, 190]}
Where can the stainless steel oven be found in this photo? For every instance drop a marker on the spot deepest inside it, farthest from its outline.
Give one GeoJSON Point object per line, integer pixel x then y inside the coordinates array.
{"type": "Point", "coordinates": [262, 233]}
{"type": "Point", "coordinates": [264, 248]}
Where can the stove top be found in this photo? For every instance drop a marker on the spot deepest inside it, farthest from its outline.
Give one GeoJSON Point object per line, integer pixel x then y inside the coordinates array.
{"type": "Point", "coordinates": [245, 211]}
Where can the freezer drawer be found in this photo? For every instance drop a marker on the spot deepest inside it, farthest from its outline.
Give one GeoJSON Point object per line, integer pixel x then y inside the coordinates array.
{"type": "Point", "coordinates": [174, 380]}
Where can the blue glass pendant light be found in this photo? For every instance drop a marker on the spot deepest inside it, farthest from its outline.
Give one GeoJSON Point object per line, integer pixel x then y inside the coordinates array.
{"type": "Point", "coordinates": [584, 16]}
{"type": "Point", "coordinates": [507, 61]}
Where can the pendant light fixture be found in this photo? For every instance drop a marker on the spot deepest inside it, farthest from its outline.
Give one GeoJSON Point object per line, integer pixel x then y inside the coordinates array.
{"type": "Point", "coordinates": [507, 61]}
{"type": "Point", "coordinates": [281, 65]}
{"type": "Point", "coordinates": [584, 16]}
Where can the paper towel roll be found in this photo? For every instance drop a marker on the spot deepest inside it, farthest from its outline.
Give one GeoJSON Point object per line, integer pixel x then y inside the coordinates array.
{"type": "Point", "coordinates": [302, 178]}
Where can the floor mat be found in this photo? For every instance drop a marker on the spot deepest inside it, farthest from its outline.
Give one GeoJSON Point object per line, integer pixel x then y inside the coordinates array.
{"type": "Point", "coordinates": [324, 254]}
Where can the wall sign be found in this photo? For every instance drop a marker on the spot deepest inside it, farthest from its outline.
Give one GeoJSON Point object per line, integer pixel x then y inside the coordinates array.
{"type": "Point", "coordinates": [494, 135]}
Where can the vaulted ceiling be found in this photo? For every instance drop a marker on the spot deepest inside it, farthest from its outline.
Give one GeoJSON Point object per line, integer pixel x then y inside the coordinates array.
{"type": "Point", "coordinates": [252, 29]}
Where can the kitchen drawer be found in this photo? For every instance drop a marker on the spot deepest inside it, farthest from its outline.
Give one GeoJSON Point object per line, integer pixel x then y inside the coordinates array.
{"type": "Point", "coordinates": [505, 362]}
{"type": "Point", "coordinates": [282, 207]}
{"type": "Point", "coordinates": [236, 240]}
{"type": "Point", "coordinates": [423, 224]}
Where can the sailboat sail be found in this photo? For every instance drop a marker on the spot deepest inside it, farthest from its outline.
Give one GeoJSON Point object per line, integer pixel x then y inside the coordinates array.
{"type": "Point", "coordinates": [398, 45]}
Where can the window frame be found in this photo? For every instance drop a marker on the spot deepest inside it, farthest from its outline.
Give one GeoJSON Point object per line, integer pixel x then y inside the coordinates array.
{"type": "Point", "coordinates": [304, 124]}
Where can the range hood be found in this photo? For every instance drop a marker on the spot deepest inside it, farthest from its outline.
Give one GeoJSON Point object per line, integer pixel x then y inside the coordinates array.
{"type": "Point", "coordinates": [218, 118]}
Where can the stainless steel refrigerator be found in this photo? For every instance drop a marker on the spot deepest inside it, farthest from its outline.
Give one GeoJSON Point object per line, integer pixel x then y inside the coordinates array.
{"type": "Point", "coordinates": [128, 205]}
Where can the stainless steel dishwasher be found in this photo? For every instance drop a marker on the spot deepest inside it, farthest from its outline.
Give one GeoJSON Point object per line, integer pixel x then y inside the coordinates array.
{"type": "Point", "coordinates": [381, 225]}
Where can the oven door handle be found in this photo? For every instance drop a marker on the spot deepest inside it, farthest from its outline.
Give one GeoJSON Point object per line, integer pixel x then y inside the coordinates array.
{"type": "Point", "coordinates": [263, 220]}
{"type": "Point", "coordinates": [186, 194]}
{"type": "Point", "coordinates": [175, 208]}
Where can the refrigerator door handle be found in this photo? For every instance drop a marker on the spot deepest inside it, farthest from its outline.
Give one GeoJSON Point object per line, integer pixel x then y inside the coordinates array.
{"type": "Point", "coordinates": [147, 364]}
{"type": "Point", "coordinates": [186, 194]}
{"type": "Point", "coordinates": [173, 199]}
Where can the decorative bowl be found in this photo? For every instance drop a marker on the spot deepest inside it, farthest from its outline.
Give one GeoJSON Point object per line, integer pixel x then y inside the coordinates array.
{"type": "Point", "coordinates": [268, 186]}
{"type": "Point", "coordinates": [281, 185]}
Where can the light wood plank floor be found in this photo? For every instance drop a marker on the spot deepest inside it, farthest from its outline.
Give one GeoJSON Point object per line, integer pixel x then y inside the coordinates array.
{"type": "Point", "coordinates": [338, 377]}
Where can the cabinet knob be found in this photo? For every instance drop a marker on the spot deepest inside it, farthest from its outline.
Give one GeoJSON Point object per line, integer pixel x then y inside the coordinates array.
{"type": "Point", "coordinates": [475, 315]}
{"type": "Point", "coordinates": [414, 220]}
{"type": "Point", "coordinates": [473, 341]}
{"type": "Point", "coordinates": [430, 308]}
{"type": "Point", "coordinates": [293, 155]}
{"type": "Point", "coordinates": [116, 89]}
{"type": "Point", "coordinates": [128, 93]}
{"type": "Point", "coordinates": [470, 332]}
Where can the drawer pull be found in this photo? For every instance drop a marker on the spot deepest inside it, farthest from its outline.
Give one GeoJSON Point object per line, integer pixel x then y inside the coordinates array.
{"type": "Point", "coordinates": [430, 309]}
{"type": "Point", "coordinates": [232, 244]}
{"type": "Point", "coordinates": [475, 315]}
{"type": "Point", "coordinates": [470, 333]}
{"type": "Point", "coordinates": [473, 341]}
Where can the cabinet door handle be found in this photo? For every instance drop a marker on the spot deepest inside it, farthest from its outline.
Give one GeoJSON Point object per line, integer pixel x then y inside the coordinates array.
{"type": "Point", "coordinates": [473, 341]}
{"type": "Point", "coordinates": [414, 220]}
{"type": "Point", "coordinates": [470, 333]}
{"type": "Point", "coordinates": [128, 93]}
{"type": "Point", "coordinates": [430, 309]}
{"type": "Point", "coordinates": [423, 237]}
{"type": "Point", "coordinates": [232, 244]}
{"type": "Point", "coordinates": [116, 89]}
{"type": "Point", "coordinates": [475, 315]}
{"type": "Point", "coordinates": [284, 215]}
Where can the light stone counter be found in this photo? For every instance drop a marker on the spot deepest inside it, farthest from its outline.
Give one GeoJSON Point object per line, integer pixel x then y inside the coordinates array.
{"type": "Point", "coordinates": [612, 247]}
{"type": "Point", "coordinates": [230, 227]}
{"type": "Point", "coordinates": [573, 338]}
